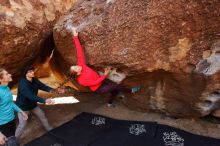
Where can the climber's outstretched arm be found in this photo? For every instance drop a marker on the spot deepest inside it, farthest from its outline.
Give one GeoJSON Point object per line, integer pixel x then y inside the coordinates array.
{"type": "Point", "coordinates": [80, 54]}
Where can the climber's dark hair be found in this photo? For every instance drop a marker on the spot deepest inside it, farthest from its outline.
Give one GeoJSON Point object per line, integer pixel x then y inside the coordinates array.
{"type": "Point", "coordinates": [25, 70]}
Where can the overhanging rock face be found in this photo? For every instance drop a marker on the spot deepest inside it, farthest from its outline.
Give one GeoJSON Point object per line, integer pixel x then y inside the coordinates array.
{"type": "Point", "coordinates": [148, 35]}
{"type": "Point", "coordinates": [139, 36]}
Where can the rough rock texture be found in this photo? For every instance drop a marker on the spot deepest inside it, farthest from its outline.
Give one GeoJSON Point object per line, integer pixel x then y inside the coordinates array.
{"type": "Point", "coordinates": [25, 26]}
{"type": "Point", "coordinates": [143, 35]}
{"type": "Point", "coordinates": [139, 36]}
{"type": "Point", "coordinates": [178, 95]}
{"type": "Point", "coordinates": [216, 113]}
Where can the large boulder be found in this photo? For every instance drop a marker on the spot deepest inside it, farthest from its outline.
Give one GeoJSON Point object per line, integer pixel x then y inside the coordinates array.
{"type": "Point", "coordinates": [26, 30]}
{"type": "Point", "coordinates": [139, 36]}
{"type": "Point", "coordinates": [181, 38]}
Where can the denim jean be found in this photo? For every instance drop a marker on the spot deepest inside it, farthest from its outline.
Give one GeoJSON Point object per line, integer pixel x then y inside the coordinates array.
{"type": "Point", "coordinates": [39, 114]}
{"type": "Point", "coordinates": [113, 89]}
{"type": "Point", "coordinates": [11, 141]}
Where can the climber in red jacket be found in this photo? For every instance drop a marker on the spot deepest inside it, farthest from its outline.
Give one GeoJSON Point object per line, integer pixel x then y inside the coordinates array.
{"type": "Point", "coordinates": [89, 78]}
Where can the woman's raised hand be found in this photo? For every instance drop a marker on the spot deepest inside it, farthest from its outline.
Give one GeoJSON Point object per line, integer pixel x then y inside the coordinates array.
{"type": "Point", "coordinates": [74, 31]}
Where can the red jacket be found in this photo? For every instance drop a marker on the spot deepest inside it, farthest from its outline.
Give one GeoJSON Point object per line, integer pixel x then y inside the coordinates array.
{"type": "Point", "coordinates": [88, 76]}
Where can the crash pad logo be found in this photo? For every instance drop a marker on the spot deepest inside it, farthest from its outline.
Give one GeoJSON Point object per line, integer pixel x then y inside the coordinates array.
{"type": "Point", "coordinates": [56, 144]}
{"type": "Point", "coordinates": [137, 129]}
{"type": "Point", "coordinates": [172, 139]}
{"type": "Point", "coordinates": [98, 121]}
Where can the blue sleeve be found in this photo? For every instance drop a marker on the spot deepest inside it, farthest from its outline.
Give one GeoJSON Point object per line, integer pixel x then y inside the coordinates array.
{"type": "Point", "coordinates": [28, 93]}
{"type": "Point", "coordinates": [16, 108]}
{"type": "Point", "coordinates": [42, 86]}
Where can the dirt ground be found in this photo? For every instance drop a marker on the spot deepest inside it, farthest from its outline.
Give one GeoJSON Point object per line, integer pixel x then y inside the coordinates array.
{"type": "Point", "coordinates": [59, 114]}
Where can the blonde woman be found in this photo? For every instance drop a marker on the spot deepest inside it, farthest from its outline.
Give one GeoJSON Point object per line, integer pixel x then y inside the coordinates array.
{"type": "Point", "coordinates": [7, 108]}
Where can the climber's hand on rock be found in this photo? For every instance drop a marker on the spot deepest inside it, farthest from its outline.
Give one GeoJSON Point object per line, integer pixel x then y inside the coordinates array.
{"type": "Point", "coordinates": [107, 70]}
{"type": "Point", "coordinates": [74, 31]}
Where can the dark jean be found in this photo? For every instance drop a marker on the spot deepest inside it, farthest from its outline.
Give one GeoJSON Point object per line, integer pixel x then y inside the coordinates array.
{"type": "Point", "coordinates": [8, 130]}
{"type": "Point", "coordinates": [12, 141]}
{"type": "Point", "coordinates": [113, 89]}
